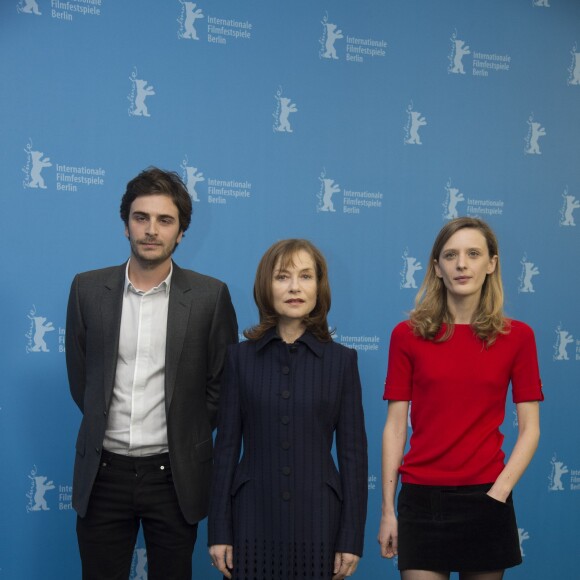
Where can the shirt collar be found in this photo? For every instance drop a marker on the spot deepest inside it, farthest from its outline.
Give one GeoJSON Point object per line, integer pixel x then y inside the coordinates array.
{"type": "Point", "coordinates": [307, 338]}
{"type": "Point", "coordinates": [163, 286]}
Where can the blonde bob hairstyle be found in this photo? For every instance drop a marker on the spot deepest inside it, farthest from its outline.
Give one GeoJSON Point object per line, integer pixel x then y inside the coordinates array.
{"type": "Point", "coordinates": [431, 310]}
{"type": "Point", "coordinates": [281, 255]}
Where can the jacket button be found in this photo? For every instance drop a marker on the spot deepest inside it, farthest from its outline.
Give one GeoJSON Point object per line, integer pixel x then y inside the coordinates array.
{"type": "Point", "coordinates": [286, 470]}
{"type": "Point", "coordinates": [286, 495]}
{"type": "Point", "coordinates": [285, 370]}
{"type": "Point", "coordinates": [285, 394]}
{"type": "Point", "coordinates": [285, 444]}
{"type": "Point", "coordinates": [285, 420]}
{"type": "Point", "coordinates": [97, 450]}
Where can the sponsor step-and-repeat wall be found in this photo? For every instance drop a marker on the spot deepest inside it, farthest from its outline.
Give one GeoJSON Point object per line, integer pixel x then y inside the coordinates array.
{"type": "Point", "coordinates": [363, 126]}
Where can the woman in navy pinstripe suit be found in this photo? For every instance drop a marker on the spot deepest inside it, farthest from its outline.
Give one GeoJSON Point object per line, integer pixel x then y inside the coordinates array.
{"type": "Point", "coordinates": [283, 510]}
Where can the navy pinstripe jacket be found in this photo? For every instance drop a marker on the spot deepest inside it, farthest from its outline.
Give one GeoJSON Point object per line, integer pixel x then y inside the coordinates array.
{"type": "Point", "coordinates": [284, 405]}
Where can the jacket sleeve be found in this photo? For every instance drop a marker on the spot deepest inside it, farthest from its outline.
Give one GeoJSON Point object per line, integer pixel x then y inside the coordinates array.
{"type": "Point", "coordinates": [227, 454]}
{"type": "Point", "coordinates": [223, 332]}
{"type": "Point", "coordinates": [75, 346]}
{"type": "Point", "coordinates": [351, 447]}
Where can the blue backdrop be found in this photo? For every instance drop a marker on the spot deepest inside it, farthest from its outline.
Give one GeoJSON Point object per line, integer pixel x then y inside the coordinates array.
{"type": "Point", "coordinates": [362, 126]}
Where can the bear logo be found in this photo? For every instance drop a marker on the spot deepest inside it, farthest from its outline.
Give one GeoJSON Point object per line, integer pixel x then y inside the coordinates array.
{"type": "Point", "coordinates": [330, 187]}
{"type": "Point", "coordinates": [332, 34]}
{"type": "Point", "coordinates": [529, 271]}
{"type": "Point", "coordinates": [460, 49]}
{"type": "Point", "coordinates": [416, 121]}
{"type": "Point", "coordinates": [39, 162]}
{"type": "Point", "coordinates": [286, 108]}
{"type": "Point", "coordinates": [192, 13]}
{"type": "Point", "coordinates": [536, 131]}
{"type": "Point", "coordinates": [193, 178]}
{"type": "Point", "coordinates": [41, 487]}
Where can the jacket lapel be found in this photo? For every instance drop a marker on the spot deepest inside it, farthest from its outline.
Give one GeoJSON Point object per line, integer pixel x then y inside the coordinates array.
{"type": "Point", "coordinates": [180, 298]}
{"type": "Point", "coordinates": [111, 309]}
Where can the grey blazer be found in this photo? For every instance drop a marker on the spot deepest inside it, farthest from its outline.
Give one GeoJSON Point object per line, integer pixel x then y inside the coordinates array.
{"type": "Point", "coordinates": [201, 323]}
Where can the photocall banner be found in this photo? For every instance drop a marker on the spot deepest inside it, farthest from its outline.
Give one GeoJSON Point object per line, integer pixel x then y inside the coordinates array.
{"type": "Point", "coordinates": [362, 126]}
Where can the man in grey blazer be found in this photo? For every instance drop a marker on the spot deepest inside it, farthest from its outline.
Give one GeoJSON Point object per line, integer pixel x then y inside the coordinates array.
{"type": "Point", "coordinates": [145, 348]}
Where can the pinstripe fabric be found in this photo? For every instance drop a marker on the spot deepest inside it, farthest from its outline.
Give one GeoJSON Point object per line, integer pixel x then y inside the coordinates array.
{"type": "Point", "coordinates": [284, 505]}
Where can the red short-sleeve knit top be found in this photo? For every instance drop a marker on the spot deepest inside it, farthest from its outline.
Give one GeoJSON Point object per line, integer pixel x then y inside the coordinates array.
{"type": "Point", "coordinates": [458, 391]}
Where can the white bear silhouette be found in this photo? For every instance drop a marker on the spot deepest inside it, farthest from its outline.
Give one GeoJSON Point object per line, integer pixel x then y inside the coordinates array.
{"type": "Point", "coordinates": [558, 470]}
{"type": "Point", "coordinates": [576, 71]}
{"type": "Point", "coordinates": [143, 91]}
{"type": "Point", "coordinates": [564, 339]}
{"type": "Point", "coordinates": [332, 35]}
{"type": "Point", "coordinates": [537, 132]}
{"type": "Point", "coordinates": [523, 535]}
{"type": "Point", "coordinates": [529, 272]}
{"type": "Point", "coordinates": [191, 15]}
{"type": "Point", "coordinates": [30, 7]}
{"type": "Point", "coordinates": [461, 49]}
{"type": "Point", "coordinates": [411, 266]}
{"type": "Point", "coordinates": [140, 572]}
{"type": "Point", "coordinates": [416, 122]}
{"type": "Point", "coordinates": [193, 178]}
{"type": "Point", "coordinates": [40, 329]}
{"type": "Point", "coordinates": [571, 204]}
{"type": "Point", "coordinates": [455, 196]}
{"type": "Point", "coordinates": [330, 187]}
{"type": "Point", "coordinates": [42, 486]}
{"type": "Point", "coordinates": [38, 164]}
{"type": "Point", "coordinates": [286, 107]}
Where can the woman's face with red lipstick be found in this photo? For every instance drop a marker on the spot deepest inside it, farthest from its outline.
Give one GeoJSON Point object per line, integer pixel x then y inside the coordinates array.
{"type": "Point", "coordinates": [294, 287]}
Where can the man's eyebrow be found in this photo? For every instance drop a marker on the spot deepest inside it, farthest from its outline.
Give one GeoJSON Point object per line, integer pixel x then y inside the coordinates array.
{"type": "Point", "coordinates": [160, 216]}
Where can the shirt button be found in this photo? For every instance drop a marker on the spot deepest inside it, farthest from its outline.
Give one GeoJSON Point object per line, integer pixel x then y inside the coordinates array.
{"type": "Point", "coordinates": [285, 394]}
{"type": "Point", "coordinates": [285, 444]}
{"type": "Point", "coordinates": [286, 470]}
{"type": "Point", "coordinates": [285, 370]}
{"type": "Point", "coordinates": [285, 420]}
{"type": "Point", "coordinates": [286, 495]}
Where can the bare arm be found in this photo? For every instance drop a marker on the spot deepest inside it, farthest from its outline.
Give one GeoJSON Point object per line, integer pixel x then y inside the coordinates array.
{"type": "Point", "coordinates": [523, 451]}
{"type": "Point", "coordinates": [394, 440]}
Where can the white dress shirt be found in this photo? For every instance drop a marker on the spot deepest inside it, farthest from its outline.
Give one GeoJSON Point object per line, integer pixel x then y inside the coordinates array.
{"type": "Point", "coordinates": [137, 424]}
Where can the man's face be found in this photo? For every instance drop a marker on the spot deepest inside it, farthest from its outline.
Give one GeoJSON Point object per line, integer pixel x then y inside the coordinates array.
{"type": "Point", "coordinates": [153, 229]}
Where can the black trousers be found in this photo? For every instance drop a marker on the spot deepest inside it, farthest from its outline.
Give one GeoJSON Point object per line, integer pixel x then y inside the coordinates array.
{"type": "Point", "coordinates": [130, 491]}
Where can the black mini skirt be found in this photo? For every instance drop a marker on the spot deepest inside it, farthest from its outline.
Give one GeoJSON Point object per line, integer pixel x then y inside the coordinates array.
{"type": "Point", "coordinates": [457, 529]}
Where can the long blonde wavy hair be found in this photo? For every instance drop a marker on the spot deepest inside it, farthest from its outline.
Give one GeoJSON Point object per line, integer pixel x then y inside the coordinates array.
{"type": "Point", "coordinates": [431, 310]}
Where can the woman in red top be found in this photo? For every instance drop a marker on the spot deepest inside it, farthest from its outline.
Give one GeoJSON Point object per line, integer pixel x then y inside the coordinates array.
{"type": "Point", "coordinates": [452, 363]}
